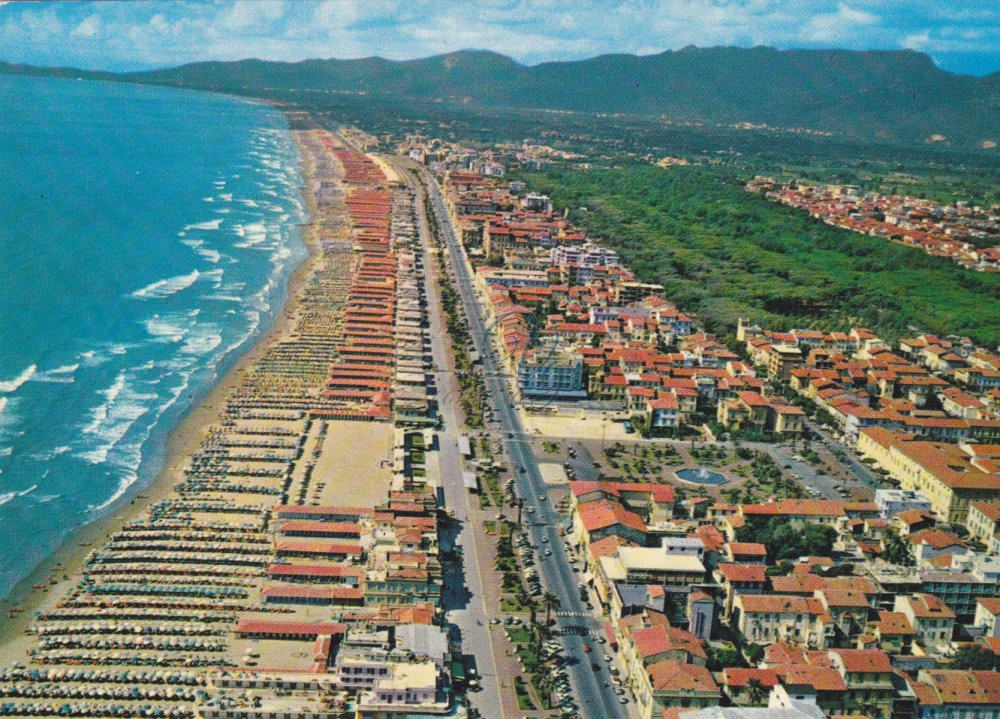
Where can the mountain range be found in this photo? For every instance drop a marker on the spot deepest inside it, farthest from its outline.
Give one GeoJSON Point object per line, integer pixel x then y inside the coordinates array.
{"type": "Point", "coordinates": [880, 95]}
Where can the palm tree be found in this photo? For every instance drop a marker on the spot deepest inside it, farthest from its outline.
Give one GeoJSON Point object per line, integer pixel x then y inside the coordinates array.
{"type": "Point", "coordinates": [896, 549]}
{"type": "Point", "coordinates": [756, 693]}
{"type": "Point", "coordinates": [551, 601]}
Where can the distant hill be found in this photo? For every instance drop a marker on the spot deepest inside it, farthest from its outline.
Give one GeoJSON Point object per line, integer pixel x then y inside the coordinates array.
{"type": "Point", "coordinates": [896, 96]}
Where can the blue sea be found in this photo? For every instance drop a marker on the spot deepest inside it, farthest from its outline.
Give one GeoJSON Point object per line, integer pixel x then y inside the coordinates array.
{"type": "Point", "coordinates": [146, 238]}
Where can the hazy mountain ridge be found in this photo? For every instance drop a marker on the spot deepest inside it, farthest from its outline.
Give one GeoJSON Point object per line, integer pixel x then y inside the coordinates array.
{"type": "Point", "coordinates": [886, 95]}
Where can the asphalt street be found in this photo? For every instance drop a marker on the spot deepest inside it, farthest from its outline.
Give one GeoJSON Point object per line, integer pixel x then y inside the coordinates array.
{"type": "Point", "coordinates": [462, 595]}
{"type": "Point", "coordinates": [578, 627]}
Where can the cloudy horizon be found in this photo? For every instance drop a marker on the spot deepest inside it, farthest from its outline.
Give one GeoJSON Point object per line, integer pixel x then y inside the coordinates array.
{"type": "Point", "coordinates": [962, 37]}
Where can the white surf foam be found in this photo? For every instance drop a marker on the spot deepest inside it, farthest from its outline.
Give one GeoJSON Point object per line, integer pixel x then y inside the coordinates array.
{"type": "Point", "coordinates": [60, 375]}
{"type": "Point", "coordinates": [123, 405]}
{"type": "Point", "coordinates": [208, 225]}
{"type": "Point", "coordinates": [202, 341]}
{"type": "Point", "coordinates": [123, 484]}
{"type": "Point", "coordinates": [168, 286]}
{"type": "Point", "coordinates": [13, 384]}
{"type": "Point", "coordinates": [212, 256]}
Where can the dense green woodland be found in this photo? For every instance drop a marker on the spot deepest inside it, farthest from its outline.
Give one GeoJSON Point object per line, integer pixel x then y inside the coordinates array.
{"type": "Point", "coordinates": [723, 253]}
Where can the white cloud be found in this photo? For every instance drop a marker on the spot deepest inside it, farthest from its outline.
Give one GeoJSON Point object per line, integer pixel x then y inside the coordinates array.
{"type": "Point", "coordinates": [916, 41]}
{"type": "Point", "coordinates": [142, 34]}
{"type": "Point", "coordinates": [89, 27]}
{"type": "Point", "coordinates": [838, 26]}
{"type": "Point", "coordinates": [253, 14]}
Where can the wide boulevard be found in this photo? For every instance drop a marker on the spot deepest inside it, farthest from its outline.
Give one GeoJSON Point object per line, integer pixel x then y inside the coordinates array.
{"type": "Point", "coordinates": [589, 672]}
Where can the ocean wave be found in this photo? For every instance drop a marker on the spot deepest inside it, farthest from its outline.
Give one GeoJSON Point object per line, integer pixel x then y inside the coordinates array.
{"type": "Point", "coordinates": [200, 343]}
{"type": "Point", "coordinates": [124, 483]}
{"type": "Point", "coordinates": [249, 203]}
{"type": "Point", "coordinates": [6, 497]}
{"type": "Point", "coordinates": [219, 297]}
{"type": "Point", "coordinates": [100, 413]}
{"type": "Point", "coordinates": [29, 490]}
{"type": "Point", "coordinates": [166, 329]}
{"type": "Point", "coordinates": [46, 498]}
{"type": "Point", "coordinates": [167, 287]}
{"type": "Point", "coordinates": [6, 451]}
{"type": "Point", "coordinates": [60, 375]}
{"type": "Point", "coordinates": [122, 407]}
{"type": "Point", "coordinates": [12, 385]}
{"type": "Point", "coordinates": [65, 369]}
{"type": "Point", "coordinates": [226, 197]}
{"type": "Point", "coordinates": [207, 225]}
{"type": "Point", "coordinates": [212, 256]}
{"type": "Point", "coordinates": [208, 199]}
{"type": "Point", "coordinates": [216, 277]}
{"type": "Point", "coordinates": [253, 233]}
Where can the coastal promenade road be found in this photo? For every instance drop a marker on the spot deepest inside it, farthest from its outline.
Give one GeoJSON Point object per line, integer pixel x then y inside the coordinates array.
{"type": "Point", "coordinates": [464, 597]}
{"type": "Point", "coordinates": [588, 672]}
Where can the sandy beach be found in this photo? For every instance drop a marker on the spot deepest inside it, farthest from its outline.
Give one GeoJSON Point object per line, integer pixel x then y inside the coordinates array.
{"type": "Point", "coordinates": [61, 570]}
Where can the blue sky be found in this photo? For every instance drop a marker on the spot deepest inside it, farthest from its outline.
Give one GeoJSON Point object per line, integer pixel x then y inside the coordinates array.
{"type": "Point", "coordinates": [961, 35]}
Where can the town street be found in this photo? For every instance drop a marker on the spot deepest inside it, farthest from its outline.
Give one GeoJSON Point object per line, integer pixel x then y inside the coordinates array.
{"type": "Point", "coordinates": [589, 673]}
{"type": "Point", "coordinates": [463, 598]}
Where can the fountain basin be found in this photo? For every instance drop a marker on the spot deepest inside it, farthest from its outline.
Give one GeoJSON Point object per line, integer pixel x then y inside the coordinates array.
{"type": "Point", "coordinates": [700, 476]}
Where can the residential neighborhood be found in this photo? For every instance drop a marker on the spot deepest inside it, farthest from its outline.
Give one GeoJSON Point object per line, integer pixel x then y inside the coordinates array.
{"type": "Point", "coordinates": [955, 231]}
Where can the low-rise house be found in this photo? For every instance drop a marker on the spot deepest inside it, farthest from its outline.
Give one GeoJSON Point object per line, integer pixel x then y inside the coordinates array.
{"type": "Point", "coordinates": [746, 553]}
{"type": "Point", "coordinates": [894, 501]}
{"type": "Point", "coordinates": [739, 579]}
{"type": "Point", "coordinates": [984, 522]}
{"type": "Point", "coordinates": [893, 632]}
{"type": "Point", "coordinates": [931, 619]}
{"type": "Point", "coordinates": [671, 683]}
{"type": "Point", "coordinates": [868, 674]}
{"type": "Point", "coordinates": [737, 681]}
{"type": "Point", "coordinates": [930, 543]}
{"type": "Point", "coordinates": [957, 694]}
{"type": "Point", "coordinates": [847, 609]}
{"type": "Point", "coordinates": [647, 565]}
{"type": "Point", "coordinates": [987, 615]}
{"type": "Point", "coordinates": [766, 619]}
